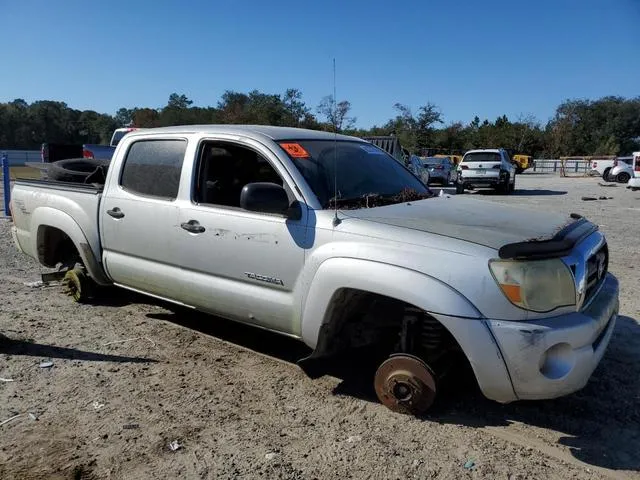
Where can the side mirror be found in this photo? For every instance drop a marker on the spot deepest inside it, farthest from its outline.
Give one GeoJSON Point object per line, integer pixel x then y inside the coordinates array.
{"type": "Point", "coordinates": [269, 198]}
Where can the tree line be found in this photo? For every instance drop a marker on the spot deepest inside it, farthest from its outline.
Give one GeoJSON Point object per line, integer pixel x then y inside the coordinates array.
{"type": "Point", "coordinates": [606, 126]}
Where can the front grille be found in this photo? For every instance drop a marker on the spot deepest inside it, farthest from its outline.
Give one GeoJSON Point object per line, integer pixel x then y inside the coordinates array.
{"type": "Point", "coordinates": [596, 270]}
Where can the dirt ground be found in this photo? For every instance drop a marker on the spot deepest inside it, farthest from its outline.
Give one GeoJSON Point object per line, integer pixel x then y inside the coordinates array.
{"type": "Point", "coordinates": [131, 375]}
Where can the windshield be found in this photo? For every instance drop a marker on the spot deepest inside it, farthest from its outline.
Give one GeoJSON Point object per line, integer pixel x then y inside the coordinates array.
{"type": "Point", "coordinates": [482, 157]}
{"type": "Point", "coordinates": [362, 170]}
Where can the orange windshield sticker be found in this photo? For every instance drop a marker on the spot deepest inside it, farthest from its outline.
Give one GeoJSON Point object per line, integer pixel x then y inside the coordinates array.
{"type": "Point", "coordinates": [295, 150]}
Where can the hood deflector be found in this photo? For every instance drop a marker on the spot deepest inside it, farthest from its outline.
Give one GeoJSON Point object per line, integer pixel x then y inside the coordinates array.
{"type": "Point", "coordinates": [559, 246]}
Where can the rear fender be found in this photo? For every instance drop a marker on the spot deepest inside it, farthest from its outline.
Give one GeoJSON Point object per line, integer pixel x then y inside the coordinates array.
{"type": "Point", "coordinates": [414, 288]}
{"type": "Point", "coordinates": [44, 217]}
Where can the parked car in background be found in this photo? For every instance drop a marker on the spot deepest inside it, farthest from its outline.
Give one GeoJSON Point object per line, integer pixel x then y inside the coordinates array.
{"type": "Point", "coordinates": [634, 182]}
{"type": "Point", "coordinates": [105, 152]}
{"type": "Point", "coordinates": [599, 165]}
{"type": "Point", "coordinates": [52, 152]}
{"type": "Point", "coordinates": [441, 170]}
{"type": "Point", "coordinates": [622, 170]}
{"type": "Point", "coordinates": [484, 168]}
{"type": "Point", "coordinates": [414, 164]}
{"type": "Point", "coordinates": [456, 159]}
{"type": "Point", "coordinates": [71, 163]}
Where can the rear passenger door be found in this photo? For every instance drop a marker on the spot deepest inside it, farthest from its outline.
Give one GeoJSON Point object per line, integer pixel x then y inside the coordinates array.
{"type": "Point", "coordinates": [139, 218]}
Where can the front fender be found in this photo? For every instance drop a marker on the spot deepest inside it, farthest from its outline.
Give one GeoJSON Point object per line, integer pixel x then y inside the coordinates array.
{"type": "Point", "coordinates": [410, 286]}
{"type": "Point", "coordinates": [86, 246]}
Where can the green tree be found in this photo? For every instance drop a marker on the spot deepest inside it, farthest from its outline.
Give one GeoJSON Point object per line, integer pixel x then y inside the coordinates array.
{"type": "Point", "coordinates": [179, 101]}
{"type": "Point", "coordinates": [296, 111]}
{"type": "Point", "coordinates": [146, 117]}
{"type": "Point", "coordinates": [124, 117]}
{"type": "Point", "coordinates": [428, 116]}
{"type": "Point", "coordinates": [335, 114]}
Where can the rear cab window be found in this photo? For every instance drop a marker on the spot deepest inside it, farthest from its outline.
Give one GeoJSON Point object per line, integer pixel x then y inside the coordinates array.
{"type": "Point", "coordinates": [152, 168]}
{"type": "Point", "coordinates": [482, 157]}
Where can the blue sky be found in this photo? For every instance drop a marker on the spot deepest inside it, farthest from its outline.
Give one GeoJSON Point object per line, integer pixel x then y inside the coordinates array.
{"type": "Point", "coordinates": [469, 57]}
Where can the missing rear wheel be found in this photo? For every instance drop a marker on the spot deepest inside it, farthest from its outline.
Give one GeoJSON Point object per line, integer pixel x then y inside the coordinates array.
{"type": "Point", "coordinates": [78, 285]}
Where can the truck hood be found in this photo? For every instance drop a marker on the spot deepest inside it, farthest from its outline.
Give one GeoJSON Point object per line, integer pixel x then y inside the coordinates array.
{"type": "Point", "coordinates": [479, 221]}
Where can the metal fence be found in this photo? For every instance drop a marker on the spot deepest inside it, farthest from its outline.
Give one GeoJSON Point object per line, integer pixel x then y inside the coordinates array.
{"type": "Point", "coordinates": [6, 182]}
{"type": "Point", "coordinates": [13, 158]}
{"type": "Point", "coordinates": [554, 165]}
{"type": "Point", "coordinates": [17, 158]}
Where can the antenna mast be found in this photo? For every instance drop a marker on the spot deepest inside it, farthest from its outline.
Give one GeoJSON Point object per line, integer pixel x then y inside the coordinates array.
{"type": "Point", "coordinates": [336, 220]}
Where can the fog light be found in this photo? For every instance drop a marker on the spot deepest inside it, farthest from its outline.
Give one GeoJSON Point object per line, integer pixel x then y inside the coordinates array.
{"type": "Point", "coordinates": [557, 361]}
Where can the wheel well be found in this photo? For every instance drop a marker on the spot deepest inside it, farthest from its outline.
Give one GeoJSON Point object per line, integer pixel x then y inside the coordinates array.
{"type": "Point", "coordinates": [378, 325]}
{"type": "Point", "coordinates": [55, 246]}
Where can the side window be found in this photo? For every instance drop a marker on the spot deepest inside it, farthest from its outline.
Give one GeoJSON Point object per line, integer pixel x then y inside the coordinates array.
{"type": "Point", "coordinates": [224, 169]}
{"type": "Point", "coordinates": [152, 168]}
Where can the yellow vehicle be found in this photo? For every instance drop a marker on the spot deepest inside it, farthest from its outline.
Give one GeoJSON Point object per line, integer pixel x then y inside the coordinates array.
{"type": "Point", "coordinates": [522, 162]}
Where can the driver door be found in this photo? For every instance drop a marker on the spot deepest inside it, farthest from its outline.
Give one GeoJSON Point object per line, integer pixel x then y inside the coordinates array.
{"type": "Point", "coordinates": [239, 264]}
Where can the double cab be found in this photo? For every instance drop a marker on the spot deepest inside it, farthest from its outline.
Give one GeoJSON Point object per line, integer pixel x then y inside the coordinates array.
{"type": "Point", "coordinates": [328, 239]}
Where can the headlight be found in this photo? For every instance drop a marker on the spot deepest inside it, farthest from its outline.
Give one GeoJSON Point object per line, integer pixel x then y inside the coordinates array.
{"type": "Point", "coordinates": [536, 285]}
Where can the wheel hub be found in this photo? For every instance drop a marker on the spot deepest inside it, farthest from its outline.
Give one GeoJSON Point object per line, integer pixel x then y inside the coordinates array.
{"type": "Point", "coordinates": [405, 384]}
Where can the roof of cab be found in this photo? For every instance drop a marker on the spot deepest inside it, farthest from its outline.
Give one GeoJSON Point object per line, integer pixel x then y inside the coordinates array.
{"type": "Point", "coordinates": [272, 132]}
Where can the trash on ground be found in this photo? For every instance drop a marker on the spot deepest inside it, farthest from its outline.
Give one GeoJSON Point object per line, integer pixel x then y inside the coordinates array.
{"type": "Point", "coordinates": [6, 379]}
{"type": "Point", "coordinates": [46, 364]}
{"type": "Point", "coordinates": [97, 405]}
{"type": "Point", "coordinates": [129, 340]}
{"type": "Point", "coordinates": [41, 284]}
{"type": "Point", "coordinates": [470, 464]}
{"type": "Point", "coordinates": [270, 455]}
{"type": "Point", "coordinates": [586, 199]}
{"type": "Point", "coordinates": [33, 416]}
{"type": "Point", "coordinates": [174, 445]}
{"type": "Point", "coordinates": [608, 184]}
{"type": "Point", "coordinates": [354, 438]}
{"type": "Point", "coordinates": [9, 419]}
{"type": "Point", "coordinates": [131, 426]}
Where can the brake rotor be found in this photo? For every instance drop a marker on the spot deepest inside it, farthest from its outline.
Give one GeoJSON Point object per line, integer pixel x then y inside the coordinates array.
{"type": "Point", "coordinates": [405, 384]}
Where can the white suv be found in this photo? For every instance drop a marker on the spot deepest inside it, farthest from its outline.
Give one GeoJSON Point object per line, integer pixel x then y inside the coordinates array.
{"type": "Point", "coordinates": [487, 168]}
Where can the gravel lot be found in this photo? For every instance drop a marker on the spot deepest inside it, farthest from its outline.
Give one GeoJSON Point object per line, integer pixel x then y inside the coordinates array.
{"type": "Point", "coordinates": [132, 375]}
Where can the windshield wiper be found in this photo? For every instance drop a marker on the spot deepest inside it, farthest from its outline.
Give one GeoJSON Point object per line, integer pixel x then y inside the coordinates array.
{"type": "Point", "coordinates": [360, 200]}
{"type": "Point", "coordinates": [371, 200]}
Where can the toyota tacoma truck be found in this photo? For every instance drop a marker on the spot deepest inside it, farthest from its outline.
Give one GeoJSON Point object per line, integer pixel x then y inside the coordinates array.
{"type": "Point", "coordinates": [328, 239]}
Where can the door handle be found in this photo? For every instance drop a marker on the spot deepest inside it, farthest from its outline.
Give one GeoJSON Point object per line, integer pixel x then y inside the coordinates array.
{"type": "Point", "coordinates": [192, 226]}
{"type": "Point", "coordinates": [115, 213]}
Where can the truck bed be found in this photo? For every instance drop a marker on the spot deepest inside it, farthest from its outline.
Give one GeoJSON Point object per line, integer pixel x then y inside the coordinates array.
{"type": "Point", "coordinates": [94, 188]}
{"type": "Point", "coordinates": [40, 208]}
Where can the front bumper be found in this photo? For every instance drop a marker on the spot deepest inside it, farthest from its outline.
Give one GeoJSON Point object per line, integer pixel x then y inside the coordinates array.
{"type": "Point", "coordinates": [556, 356]}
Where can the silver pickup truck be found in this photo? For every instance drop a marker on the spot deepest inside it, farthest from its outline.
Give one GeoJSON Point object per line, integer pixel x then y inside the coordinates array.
{"type": "Point", "coordinates": [328, 239]}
